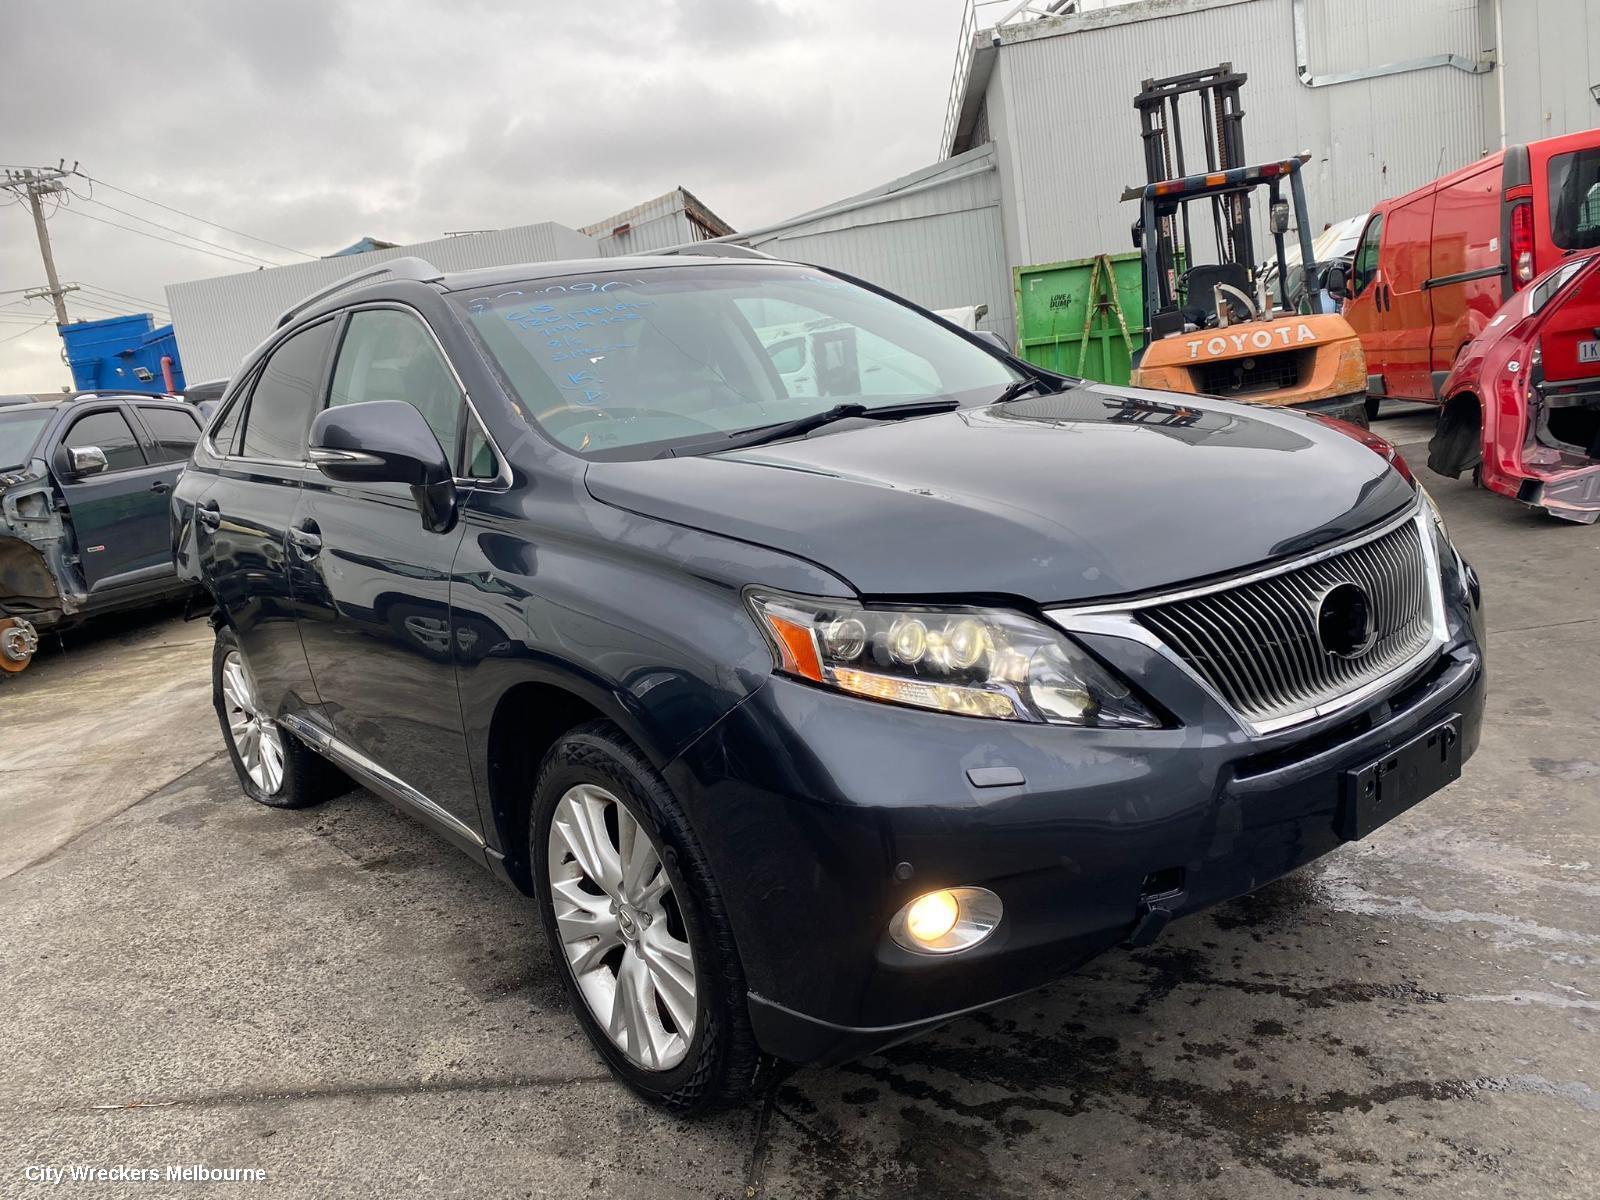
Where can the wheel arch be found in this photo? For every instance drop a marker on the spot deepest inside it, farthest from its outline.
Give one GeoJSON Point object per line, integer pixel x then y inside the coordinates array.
{"type": "Point", "coordinates": [1457, 442]}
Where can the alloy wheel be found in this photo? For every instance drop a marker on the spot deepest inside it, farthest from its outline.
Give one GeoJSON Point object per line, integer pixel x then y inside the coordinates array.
{"type": "Point", "coordinates": [255, 736]}
{"type": "Point", "coordinates": [621, 929]}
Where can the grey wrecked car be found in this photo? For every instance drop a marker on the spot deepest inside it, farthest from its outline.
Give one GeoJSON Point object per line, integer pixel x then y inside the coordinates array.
{"type": "Point", "coordinates": [84, 485]}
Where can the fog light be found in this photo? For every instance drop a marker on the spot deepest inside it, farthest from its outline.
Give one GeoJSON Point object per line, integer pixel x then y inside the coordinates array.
{"type": "Point", "coordinates": [946, 921]}
{"type": "Point", "coordinates": [932, 916]}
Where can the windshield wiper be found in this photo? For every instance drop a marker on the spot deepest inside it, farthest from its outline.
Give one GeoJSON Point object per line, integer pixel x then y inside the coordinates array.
{"type": "Point", "coordinates": [802, 425]}
{"type": "Point", "coordinates": [1028, 383]}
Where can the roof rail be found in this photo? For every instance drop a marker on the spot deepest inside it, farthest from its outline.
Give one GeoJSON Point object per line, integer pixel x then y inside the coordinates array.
{"type": "Point", "coordinates": [418, 269]}
{"type": "Point", "coordinates": [717, 250]}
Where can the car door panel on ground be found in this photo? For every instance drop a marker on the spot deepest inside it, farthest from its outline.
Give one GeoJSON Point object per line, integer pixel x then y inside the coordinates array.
{"type": "Point", "coordinates": [120, 514]}
{"type": "Point", "coordinates": [373, 583]}
{"type": "Point", "coordinates": [244, 543]}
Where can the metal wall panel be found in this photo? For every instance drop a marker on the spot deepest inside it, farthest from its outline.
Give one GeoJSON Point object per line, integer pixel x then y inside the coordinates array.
{"type": "Point", "coordinates": [934, 237]}
{"type": "Point", "coordinates": [1552, 57]}
{"type": "Point", "coordinates": [220, 320]}
{"type": "Point", "coordinates": [1063, 107]}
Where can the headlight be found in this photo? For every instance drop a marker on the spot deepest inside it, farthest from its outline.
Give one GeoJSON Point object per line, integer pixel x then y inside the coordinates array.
{"type": "Point", "coordinates": [975, 662]}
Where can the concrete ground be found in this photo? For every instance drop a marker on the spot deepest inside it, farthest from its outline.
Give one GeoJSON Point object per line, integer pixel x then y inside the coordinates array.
{"type": "Point", "coordinates": [340, 999]}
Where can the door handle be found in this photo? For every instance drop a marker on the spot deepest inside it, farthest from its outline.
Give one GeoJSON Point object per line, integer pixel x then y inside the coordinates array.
{"type": "Point", "coordinates": [307, 541]}
{"type": "Point", "coordinates": [209, 515]}
{"type": "Point", "coordinates": [159, 487]}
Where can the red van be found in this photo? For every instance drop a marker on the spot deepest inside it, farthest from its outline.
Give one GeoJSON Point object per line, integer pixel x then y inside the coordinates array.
{"type": "Point", "coordinates": [1433, 266]}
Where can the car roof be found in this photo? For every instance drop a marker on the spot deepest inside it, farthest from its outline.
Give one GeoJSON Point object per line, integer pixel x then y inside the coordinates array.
{"type": "Point", "coordinates": [459, 281]}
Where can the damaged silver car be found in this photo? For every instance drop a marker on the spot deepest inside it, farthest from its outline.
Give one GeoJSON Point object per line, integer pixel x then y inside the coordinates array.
{"type": "Point", "coordinates": [84, 486]}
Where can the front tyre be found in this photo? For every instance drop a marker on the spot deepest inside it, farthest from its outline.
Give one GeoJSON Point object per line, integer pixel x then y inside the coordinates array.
{"type": "Point", "coordinates": [637, 927]}
{"type": "Point", "coordinates": [274, 767]}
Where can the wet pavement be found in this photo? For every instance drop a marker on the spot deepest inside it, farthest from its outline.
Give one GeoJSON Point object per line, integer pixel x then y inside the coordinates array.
{"type": "Point", "coordinates": [339, 999]}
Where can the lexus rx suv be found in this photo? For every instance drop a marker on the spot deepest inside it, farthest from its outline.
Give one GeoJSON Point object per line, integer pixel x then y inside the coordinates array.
{"type": "Point", "coordinates": [820, 670]}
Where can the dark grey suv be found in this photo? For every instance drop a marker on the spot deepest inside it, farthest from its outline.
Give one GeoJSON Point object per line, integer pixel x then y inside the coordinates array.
{"type": "Point", "coordinates": [819, 669]}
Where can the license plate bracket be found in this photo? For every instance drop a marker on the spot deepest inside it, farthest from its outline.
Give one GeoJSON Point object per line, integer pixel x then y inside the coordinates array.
{"type": "Point", "coordinates": [1408, 774]}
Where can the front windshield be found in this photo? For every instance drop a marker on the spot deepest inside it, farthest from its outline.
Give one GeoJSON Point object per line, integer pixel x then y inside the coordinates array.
{"type": "Point", "coordinates": [632, 364]}
{"type": "Point", "coordinates": [18, 432]}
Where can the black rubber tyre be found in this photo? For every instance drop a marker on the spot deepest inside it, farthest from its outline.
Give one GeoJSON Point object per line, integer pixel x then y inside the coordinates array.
{"type": "Point", "coordinates": [723, 1065]}
{"type": "Point", "coordinates": [1373, 405]}
{"type": "Point", "coordinates": [308, 778]}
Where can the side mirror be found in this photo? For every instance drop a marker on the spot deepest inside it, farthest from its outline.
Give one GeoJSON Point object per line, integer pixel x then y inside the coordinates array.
{"type": "Point", "coordinates": [788, 356]}
{"type": "Point", "coordinates": [1137, 232]}
{"type": "Point", "coordinates": [379, 441]}
{"type": "Point", "coordinates": [1335, 280]}
{"type": "Point", "coordinates": [84, 460]}
{"type": "Point", "coordinates": [1278, 216]}
{"type": "Point", "coordinates": [386, 441]}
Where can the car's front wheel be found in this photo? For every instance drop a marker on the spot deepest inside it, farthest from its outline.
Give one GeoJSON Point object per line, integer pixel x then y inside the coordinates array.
{"type": "Point", "coordinates": [274, 767]}
{"type": "Point", "coordinates": [636, 925]}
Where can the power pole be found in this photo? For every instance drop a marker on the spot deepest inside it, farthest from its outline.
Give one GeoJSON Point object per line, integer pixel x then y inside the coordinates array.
{"type": "Point", "coordinates": [35, 183]}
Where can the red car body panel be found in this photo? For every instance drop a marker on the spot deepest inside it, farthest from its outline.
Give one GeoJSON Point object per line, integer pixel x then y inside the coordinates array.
{"type": "Point", "coordinates": [1534, 375]}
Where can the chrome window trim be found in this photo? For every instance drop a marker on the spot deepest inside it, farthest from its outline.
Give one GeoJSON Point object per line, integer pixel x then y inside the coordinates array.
{"type": "Point", "coordinates": [502, 477]}
{"type": "Point", "coordinates": [1117, 619]}
{"type": "Point", "coordinates": [349, 757]}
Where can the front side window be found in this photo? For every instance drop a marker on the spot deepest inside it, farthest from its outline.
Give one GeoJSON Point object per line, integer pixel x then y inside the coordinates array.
{"type": "Point", "coordinates": [18, 432]}
{"type": "Point", "coordinates": [390, 355]}
{"type": "Point", "coordinates": [1575, 199]}
{"type": "Point", "coordinates": [630, 365]}
{"type": "Point", "coordinates": [285, 396]}
{"type": "Point", "coordinates": [1366, 264]}
{"type": "Point", "coordinates": [175, 432]}
{"type": "Point", "coordinates": [110, 433]}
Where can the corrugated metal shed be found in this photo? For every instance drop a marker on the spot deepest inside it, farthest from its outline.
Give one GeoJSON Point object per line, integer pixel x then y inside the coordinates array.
{"type": "Point", "coordinates": [933, 236]}
{"type": "Point", "coordinates": [1059, 102]}
{"type": "Point", "coordinates": [220, 320]}
{"type": "Point", "coordinates": [1552, 58]}
{"type": "Point", "coordinates": [670, 220]}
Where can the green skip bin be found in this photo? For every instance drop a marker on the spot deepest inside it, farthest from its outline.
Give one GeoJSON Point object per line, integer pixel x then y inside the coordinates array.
{"type": "Point", "coordinates": [1074, 317]}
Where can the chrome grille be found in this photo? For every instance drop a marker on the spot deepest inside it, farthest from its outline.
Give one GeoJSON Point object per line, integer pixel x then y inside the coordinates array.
{"type": "Point", "coordinates": [1257, 645]}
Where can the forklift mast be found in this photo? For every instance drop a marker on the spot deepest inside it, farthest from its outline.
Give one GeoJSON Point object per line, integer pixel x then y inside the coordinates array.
{"type": "Point", "coordinates": [1222, 125]}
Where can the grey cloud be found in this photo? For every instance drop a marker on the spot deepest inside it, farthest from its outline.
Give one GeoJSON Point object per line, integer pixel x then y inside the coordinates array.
{"type": "Point", "coordinates": [312, 123]}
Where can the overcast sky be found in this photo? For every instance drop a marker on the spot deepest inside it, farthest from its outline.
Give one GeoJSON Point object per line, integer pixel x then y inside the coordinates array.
{"type": "Point", "coordinates": [314, 122]}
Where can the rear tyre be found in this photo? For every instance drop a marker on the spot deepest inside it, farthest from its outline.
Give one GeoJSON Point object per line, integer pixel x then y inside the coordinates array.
{"type": "Point", "coordinates": [637, 926]}
{"type": "Point", "coordinates": [274, 767]}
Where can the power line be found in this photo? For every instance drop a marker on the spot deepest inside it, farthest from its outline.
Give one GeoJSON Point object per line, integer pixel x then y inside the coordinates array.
{"type": "Point", "coordinates": [214, 224]}
{"type": "Point", "coordinates": [169, 229]}
{"type": "Point", "coordinates": [105, 291]}
{"type": "Point", "coordinates": [242, 262]}
{"type": "Point", "coordinates": [26, 331]}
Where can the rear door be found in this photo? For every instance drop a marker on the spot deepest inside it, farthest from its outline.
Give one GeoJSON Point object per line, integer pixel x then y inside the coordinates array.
{"type": "Point", "coordinates": [119, 516]}
{"type": "Point", "coordinates": [1566, 197]}
{"type": "Point", "coordinates": [1468, 267]}
{"type": "Point", "coordinates": [244, 519]}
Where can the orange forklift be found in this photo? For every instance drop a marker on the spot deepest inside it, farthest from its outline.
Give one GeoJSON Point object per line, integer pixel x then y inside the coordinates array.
{"type": "Point", "coordinates": [1214, 328]}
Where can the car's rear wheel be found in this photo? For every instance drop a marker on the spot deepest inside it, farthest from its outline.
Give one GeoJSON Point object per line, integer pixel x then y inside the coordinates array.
{"type": "Point", "coordinates": [636, 925]}
{"type": "Point", "coordinates": [274, 767]}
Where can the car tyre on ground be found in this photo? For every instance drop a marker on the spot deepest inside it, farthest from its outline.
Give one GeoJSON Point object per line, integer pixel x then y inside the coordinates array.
{"type": "Point", "coordinates": [637, 927]}
{"type": "Point", "coordinates": [275, 768]}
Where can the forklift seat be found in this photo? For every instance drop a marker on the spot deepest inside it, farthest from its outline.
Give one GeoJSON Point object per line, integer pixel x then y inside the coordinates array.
{"type": "Point", "coordinates": [1199, 289]}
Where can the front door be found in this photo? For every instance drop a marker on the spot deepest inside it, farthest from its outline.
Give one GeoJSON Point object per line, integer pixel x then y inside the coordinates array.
{"type": "Point", "coordinates": [373, 582]}
{"type": "Point", "coordinates": [1408, 305]}
{"type": "Point", "coordinates": [119, 516]}
{"type": "Point", "coordinates": [243, 522]}
{"type": "Point", "coordinates": [1364, 309]}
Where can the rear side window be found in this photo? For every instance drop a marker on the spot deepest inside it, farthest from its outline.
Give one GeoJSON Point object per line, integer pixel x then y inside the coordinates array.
{"type": "Point", "coordinates": [1575, 199]}
{"type": "Point", "coordinates": [286, 395]}
{"type": "Point", "coordinates": [390, 355]}
{"type": "Point", "coordinates": [1366, 264]}
{"type": "Point", "coordinates": [175, 432]}
{"type": "Point", "coordinates": [110, 433]}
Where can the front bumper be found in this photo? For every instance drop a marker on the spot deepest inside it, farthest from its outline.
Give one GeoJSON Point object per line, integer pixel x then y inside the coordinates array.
{"type": "Point", "coordinates": [814, 806]}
